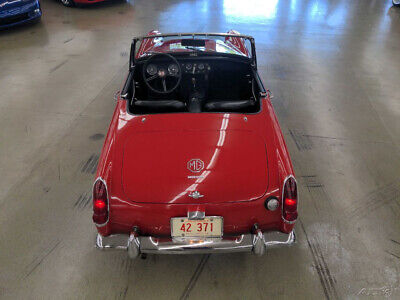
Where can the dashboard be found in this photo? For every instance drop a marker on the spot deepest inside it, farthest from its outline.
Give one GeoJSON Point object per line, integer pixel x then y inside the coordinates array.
{"type": "Point", "coordinates": [173, 70]}
{"type": "Point", "coordinates": [195, 67]}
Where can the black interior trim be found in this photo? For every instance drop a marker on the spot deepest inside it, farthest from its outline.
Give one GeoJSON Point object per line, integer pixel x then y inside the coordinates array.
{"type": "Point", "coordinates": [127, 85]}
{"type": "Point", "coordinates": [160, 105]}
{"type": "Point", "coordinates": [258, 81]}
{"type": "Point", "coordinates": [227, 85]}
{"type": "Point", "coordinates": [235, 105]}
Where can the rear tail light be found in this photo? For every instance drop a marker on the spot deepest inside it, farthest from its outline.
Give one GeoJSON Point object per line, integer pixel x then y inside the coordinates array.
{"type": "Point", "coordinates": [100, 202]}
{"type": "Point", "coordinates": [289, 208]}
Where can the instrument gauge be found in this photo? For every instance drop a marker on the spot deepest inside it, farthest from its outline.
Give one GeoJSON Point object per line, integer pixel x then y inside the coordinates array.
{"type": "Point", "coordinates": [151, 70]}
{"type": "Point", "coordinates": [188, 67]}
{"type": "Point", "coordinates": [173, 69]}
{"type": "Point", "coordinates": [201, 67]}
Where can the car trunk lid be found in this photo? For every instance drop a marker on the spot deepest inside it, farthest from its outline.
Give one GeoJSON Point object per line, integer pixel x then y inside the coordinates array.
{"type": "Point", "coordinates": [171, 166]}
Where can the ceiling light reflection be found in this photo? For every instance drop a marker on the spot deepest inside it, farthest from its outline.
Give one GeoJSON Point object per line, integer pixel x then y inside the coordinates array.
{"type": "Point", "coordinates": [207, 170]}
{"type": "Point", "coordinates": [254, 9]}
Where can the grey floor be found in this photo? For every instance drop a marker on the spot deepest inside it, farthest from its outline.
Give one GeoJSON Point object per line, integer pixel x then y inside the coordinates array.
{"type": "Point", "coordinates": [334, 70]}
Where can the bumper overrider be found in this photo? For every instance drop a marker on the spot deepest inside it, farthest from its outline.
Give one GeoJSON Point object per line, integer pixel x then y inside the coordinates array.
{"type": "Point", "coordinates": [136, 244]}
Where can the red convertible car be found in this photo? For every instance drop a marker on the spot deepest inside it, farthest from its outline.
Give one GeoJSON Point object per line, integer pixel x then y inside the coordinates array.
{"type": "Point", "coordinates": [194, 160]}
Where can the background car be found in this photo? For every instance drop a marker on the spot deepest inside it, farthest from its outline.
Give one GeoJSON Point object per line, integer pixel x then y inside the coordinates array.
{"type": "Point", "coordinates": [17, 12]}
{"type": "Point", "coordinates": [71, 3]}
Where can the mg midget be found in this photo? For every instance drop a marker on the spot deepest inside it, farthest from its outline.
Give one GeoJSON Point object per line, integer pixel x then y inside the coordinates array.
{"type": "Point", "coordinates": [194, 160]}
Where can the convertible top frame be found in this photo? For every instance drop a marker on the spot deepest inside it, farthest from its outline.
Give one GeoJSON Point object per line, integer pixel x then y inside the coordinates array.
{"type": "Point", "coordinates": [193, 34]}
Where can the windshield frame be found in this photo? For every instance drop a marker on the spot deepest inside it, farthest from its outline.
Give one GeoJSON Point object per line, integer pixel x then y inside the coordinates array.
{"type": "Point", "coordinates": [133, 58]}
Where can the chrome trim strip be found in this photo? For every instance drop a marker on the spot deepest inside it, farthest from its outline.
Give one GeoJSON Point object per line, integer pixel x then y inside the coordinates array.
{"type": "Point", "coordinates": [193, 34]}
{"type": "Point", "coordinates": [116, 241]}
{"type": "Point", "coordinates": [242, 243]}
{"type": "Point", "coordinates": [196, 215]}
{"type": "Point", "coordinates": [275, 239]}
{"type": "Point", "coordinates": [283, 191]}
{"type": "Point", "coordinates": [108, 201]}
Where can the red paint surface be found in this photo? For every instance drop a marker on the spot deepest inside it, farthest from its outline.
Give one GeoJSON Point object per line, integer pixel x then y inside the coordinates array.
{"type": "Point", "coordinates": [235, 163]}
{"type": "Point", "coordinates": [145, 167]}
{"type": "Point", "coordinates": [157, 170]}
{"type": "Point", "coordinates": [237, 43]}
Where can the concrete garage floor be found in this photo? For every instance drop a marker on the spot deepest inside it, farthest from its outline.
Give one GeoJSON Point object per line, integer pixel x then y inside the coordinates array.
{"type": "Point", "coordinates": [333, 68]}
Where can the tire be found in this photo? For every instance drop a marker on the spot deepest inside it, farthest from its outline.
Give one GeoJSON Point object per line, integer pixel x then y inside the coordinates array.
{"type": "Point", "coordinates": [68, 3]}
{"type": "Point", "coordinates": [396, 3]}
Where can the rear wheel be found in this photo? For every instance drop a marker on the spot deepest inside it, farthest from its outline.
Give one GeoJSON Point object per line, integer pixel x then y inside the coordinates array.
{"type": "Point", "coordinates": [396, 2]}
{"type": "Point", "coordinates": [68, 3]}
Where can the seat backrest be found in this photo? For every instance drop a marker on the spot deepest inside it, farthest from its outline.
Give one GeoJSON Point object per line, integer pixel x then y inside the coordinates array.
{"type": "Point", "coordinates": [150, 106]}
{"type": "Point", "coordinates": [229, 105]}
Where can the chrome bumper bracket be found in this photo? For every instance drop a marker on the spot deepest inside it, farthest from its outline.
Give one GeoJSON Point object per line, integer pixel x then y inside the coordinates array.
{"type": "Point", "coordinates": [133, 245]}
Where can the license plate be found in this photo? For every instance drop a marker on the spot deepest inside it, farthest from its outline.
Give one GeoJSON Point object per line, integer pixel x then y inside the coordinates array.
{"type": "Point", "coordinates": [208, 227]}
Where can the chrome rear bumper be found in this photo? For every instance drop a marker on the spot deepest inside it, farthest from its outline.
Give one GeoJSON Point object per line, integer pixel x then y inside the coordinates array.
{"type": "Point", "coordinates": [135, 245]}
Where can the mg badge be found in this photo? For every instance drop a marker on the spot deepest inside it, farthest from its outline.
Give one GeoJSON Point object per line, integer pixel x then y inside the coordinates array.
{"type": "Point", "coordinates": [196, 195]}
{"type": "Point", "coordinates": [195, 165]}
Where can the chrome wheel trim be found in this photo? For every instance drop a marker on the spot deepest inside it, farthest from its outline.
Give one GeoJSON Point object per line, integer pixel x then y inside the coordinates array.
{"type": "Point", "coordinates": [66, 2]}
{"type": "Point", "coordinates": [396, 2]}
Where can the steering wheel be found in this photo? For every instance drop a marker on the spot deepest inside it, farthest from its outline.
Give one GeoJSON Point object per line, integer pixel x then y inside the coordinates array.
{"type": "Point", "coordinates": [156, 79]}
